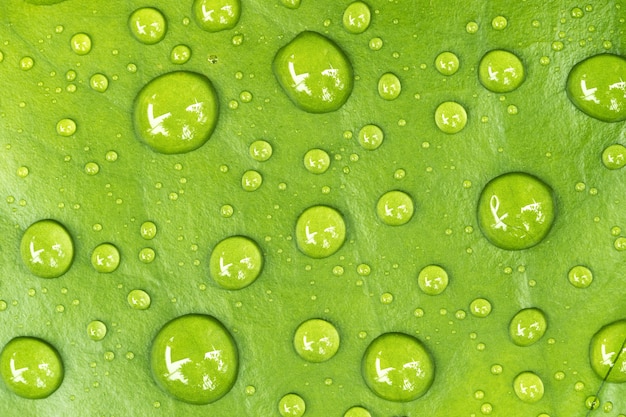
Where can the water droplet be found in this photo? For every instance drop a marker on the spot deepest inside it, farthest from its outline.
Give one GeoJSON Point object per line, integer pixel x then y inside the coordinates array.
{"type": "Point", "coordinates": [96, 330]}
{"type": "Point", "coordinates": [363, 270]}
{"type": "Point", "coordinates": [92, 168]}
{"type": "Point", "coordinates": [236, 262]}
{"type": "Point", "coordinates": [516, 211]}
{"type": "Point", "coordinates": [111, 156]}
{"type": "Point", "coordinates": [314, 73]}
{"type": "Point", "coordinates": [395, 208]}
{"type": "Point", "coordinates": [147, 255]}
{"type": "Point", "coordinates": [371, 137]}
{"type": "Point", "coordinates": [22, 172]}
{"type": "Point", "coordinates": [291, 405]}
{"type": "Point", "coordinates": [596, 86]}
{"type": "Point", "coordinates": [499, 23]}
{"type": "Point", "coordinates": [176, 112]}
{"type": "Point", "coordinates": [99, 83]}
{"type": "Point", "coordinates": [81, 43]}
{"type": "Point", "coordinates": [105, 258]}
{"type": "Point", "coordinates": [320, 231]}
{"type": "Point", "coordinates": [376, 44]}
{"type": "Point", "coordinates": [251, 180]}
{"type": "Point", "coordinates": [216, 15]}
{"type": "Point", "coordinates": [227, 210]}
{"type": "Point", "coordinates": [66, 127]}
{"type": "Point", "coordinates": [47, 249]}
{"type": "Point", "coordinates": [26, 63]}
{"type": "Point", "coordinates": [397, 367]}
{"type": "Point", "coordinates": [527, 326]}
{"type": "Point", "coordinates": [450, 117]}
{"type": "Point", "coordinates": [147, 25]}
{"type": "Point", "coordinates": [614, 156]}
{"type": "Point", "coordinates": [148, 230]}
{"type": "Point", "coordinates": [607, 352]}
{"type": "Point", "coordinates": [432, 279]}
{"type": "Point", "coordinates": [496, 369]}
{"type": "Point", "coordinates": [317, 161]}
{"type": "Point", "coordinates": [486, 408]}
{"type": "Point", "coordinates": [261, 150]}
{"type": "Point", "coordinates": [194, 358]}
{"type": "Point", "coordinates": [250, 390]}
{"type": "Point", "coordinates": [291, 4]}
{"type": "Point", "coordinates": [577, 12]}
{"type": "Point", "coordinates": [501, 71]}
{"type": "Point", "coordinates": [386, 298]}
{"type": "Point", "coordinates": [139, 299]}
{"type": "Point", "coordinates": [471, 27]}
{"type": "Point", "coordinates": [357, 17]}
{"type": "Point", "coordinates": [528, 387]}
{"type": "Point", "coordinates": [447, 63]}
{"type": "Point", "coordinates": [580, 276]}
{"type": "Point", "coordinates": [316, 340]}
{"type": "Point", "coordinates": [480, 307]}
{"type": "Point", "coordinates": [357, 412]}
{"type": "Point", "coordinates": [592, 402]}
{"type": "Point", "coordinates": [237, 39]}
{"type": "Point", "coordinates": [180, 54]}
{"type": "Point", "coordinates": [389, 86]}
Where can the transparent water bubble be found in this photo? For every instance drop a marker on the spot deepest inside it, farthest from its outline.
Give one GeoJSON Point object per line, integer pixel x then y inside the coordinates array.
{"type": "Point", "coordinates": [147, 25]}
{"type": "Point", "coordinates": [236, 262]}
{"type": "Point", "coordinates": [47, 249]}
{"type": "Point", "coordinates": [316, 340]}
{"type": "Point", "coordinates": [216, 15]}
{"type": "Point", "coordinates": [320, 231]}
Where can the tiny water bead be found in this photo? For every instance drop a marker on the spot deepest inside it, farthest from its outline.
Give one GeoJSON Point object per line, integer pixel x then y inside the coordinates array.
{"type": "Point", "coordinates": [47, 249]}
{"type": "Point", "coordinates": [194, 358]}
{"type": "Point", "coordinates": [227, 211]}
{"type": "Point", "coordinates": [395, 208]}
{"type": "Point", "coordinates": [376, 44]}
{"type": "Point", "coordinates": [314, 72]}
{"type": "Point", "coordinates": [316, 340]}
{"type": "Point", "coordinates": [471, 27]}
{"type": "Point", "coordinates": [96, 330]}
{"type": "Point", "coordinates": [527, 326]}
{"type": "Point", "coordinates": [81, 43]}
{"type": "Point", "coordinates": [105, 258]}
{"type": "Point", "coordinates": [147, 255]}
{"type": "Point", "coordinates": [357, 17]}
{"type": "Point", "coordinates": [371, 137]}
{"type": "Point", "coordinates": [31, 367]}
{"type": "Point", "coordinates": [251, 180]}
{"type": "Point", "coordinates": [236, 262]}
{"type": "Point", "coordinates": [66, 127]}
{"type": "Point", "coordinates": [614, 156]}
{"type": "Point", "coordinates": [357, 412]}
{"type": "Point", "coordinates": [291, 405]}
{"type": "Point", "coordinates": [480, 307]}
{"type": "Point", "coordinates": [597, 87]}
{"type": "Point", "coordinates": [580, 276]}
{"type": "Point", "coordinates": [147, 25]}
{"type": "Point", "coordinates": [216, 15]}
{"type": "Point", "coordinates": [139, 299]}
{"type": "Point", "coordinates": [148, 230]}
{"type": "Point", "coordinates": [320, 231]}
{"type": "Point", "coordinates": [26, 63]}
{"type": "Point", "coordinates": [261, 150]}
{"type": "Point", "coordinates": [528, 387]}
{"type": "Point", "coordinates": [176, 112]}
{"type": "Point", "coordinates": [432, 279]}
{"type": "Point", "coordinates": [450, 117]}
{"type": "Point", "coordinates": [499, 23]}
{"type": "Point", "coordinates": [389, 86]}
{"type": "Point", "coordinates": [607, 352]}
{"type": "Point", "coordinates": [516, 211]}
{"type": "Point", "coordinates": [397, 367]}
{"type": "Point", "coordinates": [23, 172]}
{"type": "Point", "coordinates": [180, 54]}
{"type": "Point", "coordinates": [447, 63]}
{"type": "Point", "coordinates": [501, 71]}
{"type": "Point", "coordinates": [317, 161]}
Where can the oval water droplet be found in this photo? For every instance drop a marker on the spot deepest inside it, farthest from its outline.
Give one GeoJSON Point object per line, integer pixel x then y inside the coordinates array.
{"type": "Point", "coordinates": [105, 258]}
{"type": "Point", "coordinates": [501, 71]}
{"type": "Point", "coordinates": [31, 367]}
{"type": "Point", "coordinates": [148, 230]}
{"type": "Point", "coordinates": [26, 63]}
{"type": "Point", "coordinates": [147, 25]}
{"type": "Point", "coordinates": [251, 180]}
{"type": "Point", "coordinates": [261, 150]}
{"type": "Point", "coordinates": [291, 4]}
{"type": "Point", "coordinates": [320, 231]}
{"type": "Point", "coordinates": [180, 54]}
{"type": "Point", "coordinates": [176, 112]}
{"type": "Point", "coordinates": [317, 161]}
{"type": "Point", "coordinates": [580, 276]}
{"type": "Point", "coordinates": [480, 307]}
{"type": "Point", "coordinates": [236, 262]}
{"type": "Point", "coordinates": [66, 127]}
{"type": "Point", "coordinates": [527, 326]}
{"type": "Point", "coordinates": [316, 340]}
{"type": "Point", "coordinates": [395, 208]}
{"type": "Point", "coordinates": [47, 249]}
{"type": "Point", "coordinates": [81, 43]}
{"type": "Point", "coordinates": [216, 15]}
{"type": "Point", "coordinates": [607, 352]}
{"type": "Point", "coordinates": [447, 63]}
{"type": "Point", "coordinates": [96, 330]}
{"type": "Point", "coordinates": [516, 211]}
{"type": "Point", "coordinates": [99, 83]}
{"type": "Point", "coordinates": [389, 86]}
{"type": "Point", "coordinates": [597, 87]}
{"type": "Point", "coordinates": [528, 387]}
{"type": "Point", "coordinates": [433, 279]}
{"type": "Point", "coordinates": [357, 17]}
{"type": "Point", "coordinates": [397, 367]}
{"type": "Point", "coordinates": [147, 255]}
{"type": "Point", "coordinates": [614, 156]}
{"type": "Point", "coordinates": [291, 405]}
{"type": "Point", "coordinates": [194, 358]}
{"type": "Point", "coordinates": [499, 23]}
{"type": "Point", "coordinates": [314, 72]}
{"type": "Point", "coordinates": [371, 137]}
{"type": "Point", "coordinates": [450, 117]}
{"type": "Point", "coordinates": [139, 299]}
{"type": "Point", "coordinates": [357, 412]}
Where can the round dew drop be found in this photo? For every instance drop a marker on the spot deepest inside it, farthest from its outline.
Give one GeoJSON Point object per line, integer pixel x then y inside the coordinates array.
{"type": "Point", "coordinates": [236, 262]}
{"type": "Point", "coordinates": [501, 71]}
{"type": "Point", "coordinates": [251, 180]}
{"type": "Point", "coordinates": [180, 54]}
{"type": "Point", "coordinates": [480, 307]}
{"type": "Point", "coordinates": [450, 117]}
{"type": "Point", "coordinates": [291, 405]}
{"type": "Point", "coordinates": [580, 276]}
{"type": "Point", "coordinates": [371, 137]}
{"type": "Point", "coordinates": [216, 15]}
{"type": "Point", "coordinates": [320, 231]}
{"type": "Point", "coordinates": [317, 161]}
{"type": "Point", "coordinates": [316, 340]}
{"type": "Point", "coordinates": [31, 368]}
{"type": "Point", "coordinates": [148, 230]}
{"type": "Point", "coordinates": [47, 249]}
{"type": "Point", "coordinates": [447, 63]}
{"type": "Point", "coordinates": [357, 17]}
{"type": "Point", "coordinates": [528, 387]}
{"type": "Point", "coordinates": [147, 25]}
{"type": "Point", "coordinates": [105, 258]}
{"type": "Point", "coordinates": [527, 326]}
{"type": "Point", "coordinates": [357, 412]}
{"type": "Point", "coordinates": [96, 330]}
{"type": "Point", "coordinates": [194, 358]}
{"type": "Point", "coordinates": [433, 280]}
{"type": "Point", "coordinates": [99, 83]}
{"type": "Point", "coordinates": [614, 156]}
{"type": "Point", "coordinates": [607, 352]}
{"type": "Point", "coordinates": [389, 86]}
{"type": "Point", "coordinates": [81, 43]}
{"type": "Point", "coordinates": [66, 127]}
{"type": "Point", "coordinates": [395, 208]}
{"type": "Point", "coordinates": [139, 300]}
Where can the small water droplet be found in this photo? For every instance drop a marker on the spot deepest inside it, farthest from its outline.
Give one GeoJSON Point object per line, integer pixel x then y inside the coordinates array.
{"type": "Point", "coordinates": [528, 387]}
{"type": "Point", "coordinates": [386, 298]}
{"type": "Point", "coordinates": [111, 156]}
{"type": "Point", "coordinates": [291, 405]}
{"type": "Point", "coordinates": [236, 262]}
{"type": "Point", "coordinates": [92, 168]}
{"type": "Point", "coordinates": [357, 412]}
{"type": "Point", "coordinates": [291, 4]}
{"type": "Point", "coordinates": [320, 231]}
{"type": "Point", "coordinates": [580, 276]}
{"type": "Point", "coordinates": [480, 307]}
{"type": "Point", "coordinates": [227, 211]}
{"type": "Point", "coordinates": [316, 340]}
{"type": "Point", "coordinates": [433, 279]}
{"type": "Point", "coordinates": [96, 330]}
{"type": "Point", "coordinates": [148, 230]}
{"type": "Point", "coordinates": [499, 23]}
{"type": "Point", "coordinates": [139, 299]}
{"type": "Point", "coordinates": [389, 86]}
{"type": "Point", "coordinates": [450, 117]}
{"type": "Point", "coordinates": [317, 161]}
{"type": "Point", "coordinates": [471, 27]}
{"type": "Point", "coordinates": [501, 71]}
{"type": "Point", "coordinates": [99, 82]}
{"type": "Point", "coordinates": [26, 63]}
{"type": "Point", "coordinates": [66, 127]}
{"type": "Point", "coordinates": [376, 44]}
{"type": "Point", "coordinates": [251, 180]}
{"type": "Point", "coordinates": [22, 172]}
{"type": "Point", "coordinates": [614, 156]}
{"type": "Point", "coordinates": [357, 17]}
{"type": "Point", "coordinates": [147, 25]}
{"type": "Point", "coordinates": [180, 54]}
{"type": "Point", "coordinates": [527, 326]}
{"type": "Point", "coordinates": [395, 208]}
{"type": "Point", "coordinates": [496, 369]}
{"type": "Point", "coordinates": [105, 258]}
{"type": "Point", "coordinates": [363, 270]}
{"type": "Point", "coordinates": [81, 43]}
{"type": "Point", "coordinates": [147, 255]}
{"type": "Point", "coordinates": [47, 249]}
{"type": "Point", "coordinates": [261, 150]}
{"type": "Point", "coordinates": [215, 16]}
{"type": "Point", "coordinates": [447, 63]}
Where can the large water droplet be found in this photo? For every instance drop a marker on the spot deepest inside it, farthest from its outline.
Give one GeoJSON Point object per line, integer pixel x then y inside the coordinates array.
{"type": "Point", "coordinates": [395, 208]}
{"type": "Point", "coordinates": [291, 405]}
{"type": "Point", "coordinates": [314, 73]}
{"type": "Point", "coordinates": [236, 262]}
{"type": "Point", "coordinates": [176, 112]}
{"type": "Point", "coordinates": [607, 352]}
{"type": "Point", "coordinates": [433, 279]}
{"type": "Point", "coordinates": [450, 117]}
{"type": "Point", "coordinates": [194, 358]}
{"type": "Point", "coordinates": [397, 367]}
{"type": "Point", "coordinates": [528, 387]}
{"type": "Point", "coordinates": [597, 86]}
{"type": "Point", "coordinates": [516, 211]}
{"type": "Point", "coordinates": [31, 368]}
{"type": "Point", "coordinates": [527, 326]}
{"type": "Point", "coordinates": [501, 71]}
{"type": "Point", "coordinates": [105, 258]}
{"type": "Point", "coordinates": [357, 17]}
{"type": "Point", "coordinates": [320, 231]}
{"type": "Point", "coordinates": [47, 249]}
{"type": "Point", "coordinates": [316, 340]}
{"type": "Point", "coordinates": [216, 15]}
{"type": "Point", "coordinates": [147, 25]}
